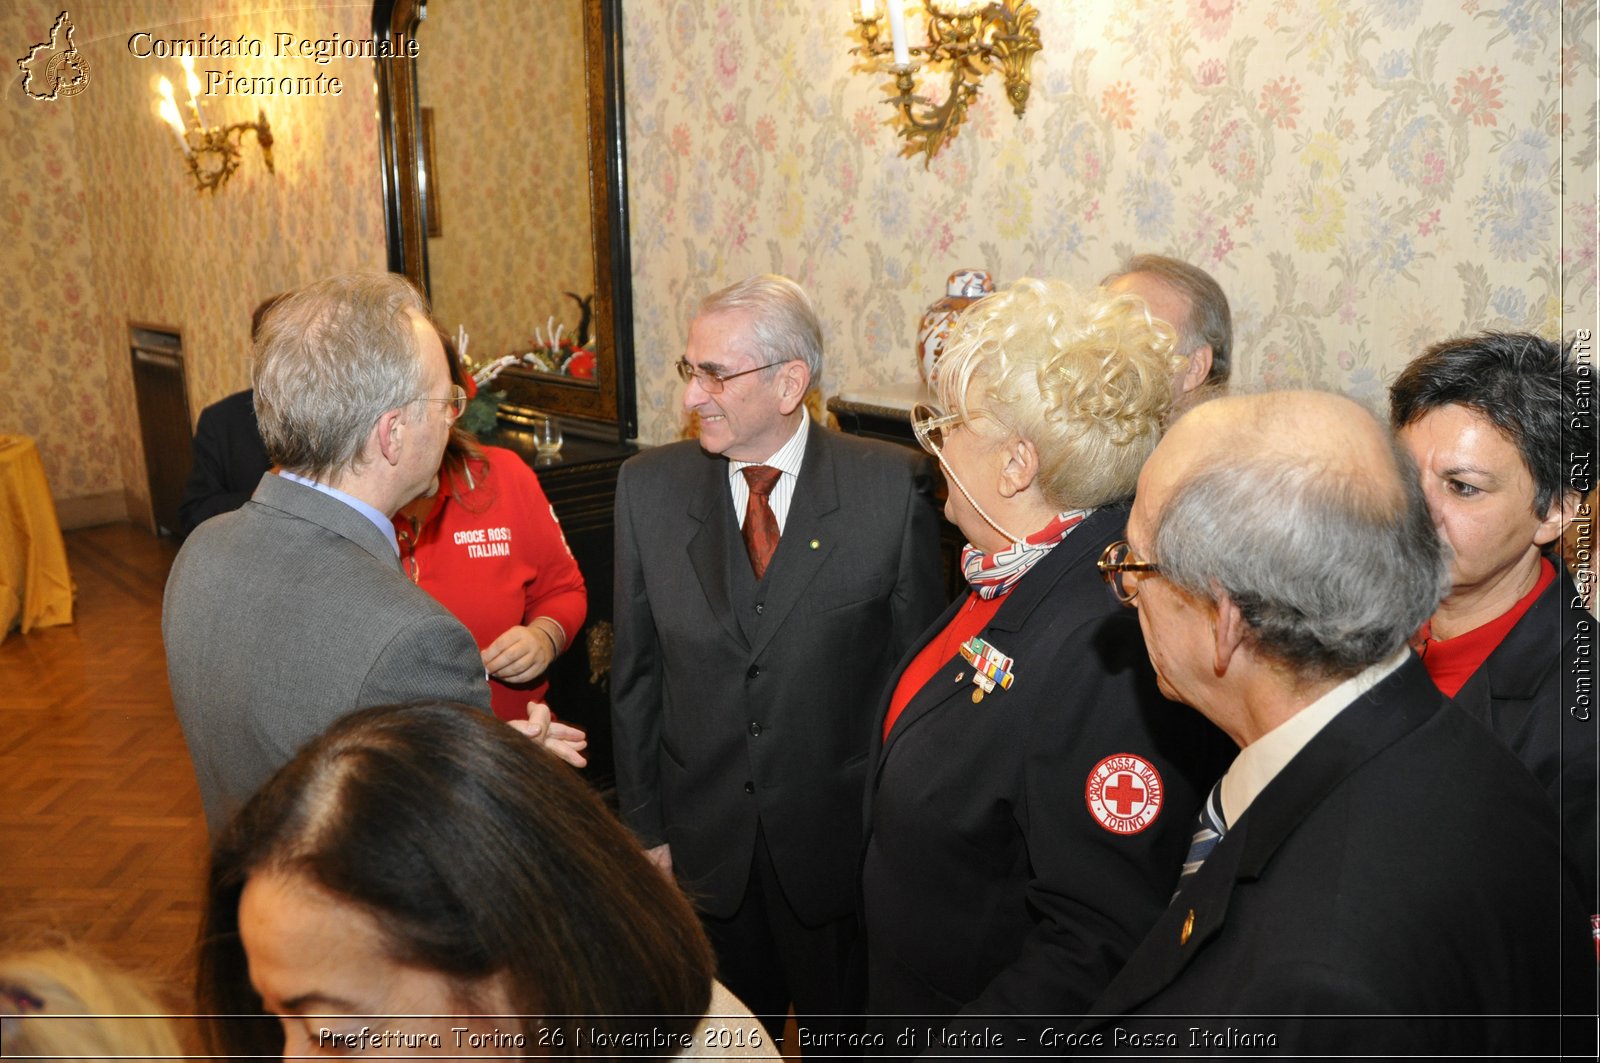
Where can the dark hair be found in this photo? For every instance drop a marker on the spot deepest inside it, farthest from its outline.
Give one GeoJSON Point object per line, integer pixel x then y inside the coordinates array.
{"type": "Point", "coordinates": [1331, 567]}
{"type": "Point", "coordinates": [1528, 387]}
{"type": "Point", "coordinates": [1210, 321]}
{"type": "Point", "coordinates": [462, 445]}
{"type": "Point", "coordinates": [480, 855]}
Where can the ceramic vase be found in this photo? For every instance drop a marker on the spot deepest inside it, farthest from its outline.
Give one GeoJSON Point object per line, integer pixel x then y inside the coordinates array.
{"type": "Point", "coordinates": [965, 287]}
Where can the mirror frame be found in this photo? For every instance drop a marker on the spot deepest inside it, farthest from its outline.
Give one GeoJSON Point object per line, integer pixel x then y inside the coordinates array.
{"type": "Point", "coordinates": [607, 410]}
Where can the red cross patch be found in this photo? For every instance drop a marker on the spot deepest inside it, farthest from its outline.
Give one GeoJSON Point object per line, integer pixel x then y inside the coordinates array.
{"type": "Point", "coordinates": [1124, 793]}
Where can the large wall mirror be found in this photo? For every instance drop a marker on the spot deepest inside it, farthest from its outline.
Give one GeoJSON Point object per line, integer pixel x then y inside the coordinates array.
{"type": "Point", "coordinates": [505, 192]}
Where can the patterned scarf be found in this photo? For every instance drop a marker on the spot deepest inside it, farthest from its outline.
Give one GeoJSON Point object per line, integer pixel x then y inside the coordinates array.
{"type": "Point", "coordinates": [994, 575]}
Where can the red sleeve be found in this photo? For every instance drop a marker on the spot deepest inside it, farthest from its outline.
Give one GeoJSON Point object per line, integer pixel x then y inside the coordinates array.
{"type": "Point", "coordinates": [557, 590]}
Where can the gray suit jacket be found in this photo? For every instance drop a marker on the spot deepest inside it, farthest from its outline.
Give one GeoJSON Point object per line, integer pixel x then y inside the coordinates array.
{"type": "Point", "coordinates": [283, 616]}
{"type": "Point", "coordinates": [720, 722]}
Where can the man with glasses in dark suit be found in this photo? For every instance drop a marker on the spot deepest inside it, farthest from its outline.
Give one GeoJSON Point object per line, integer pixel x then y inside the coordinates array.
{"type": "Point", "coordinates": [1375, 874]}
{"type": "Point", "coordinates": [769, 577]}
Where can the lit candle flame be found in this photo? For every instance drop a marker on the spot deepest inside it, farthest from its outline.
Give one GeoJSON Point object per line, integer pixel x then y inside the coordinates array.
{"type": "Point", "coordinates": [193, 84]}
{"type": "Point", "coordinates": [169, 112]}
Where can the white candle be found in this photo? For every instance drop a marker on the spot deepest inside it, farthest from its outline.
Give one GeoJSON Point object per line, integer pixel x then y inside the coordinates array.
{"type": "Point", "coordinates": [169, 111]}
{"type": "Point", "coordinates": [193, 85]}
{"type": "Point", "coordinates": [869, 10]}
{"type": "Point", "coordinates": [897, 30]}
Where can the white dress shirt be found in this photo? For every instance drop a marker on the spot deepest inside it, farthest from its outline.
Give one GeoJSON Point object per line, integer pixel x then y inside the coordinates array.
{"type": "Point", "coordinates": [1260, 762]}
{"type": "Point", "coordinates": [787, 461]}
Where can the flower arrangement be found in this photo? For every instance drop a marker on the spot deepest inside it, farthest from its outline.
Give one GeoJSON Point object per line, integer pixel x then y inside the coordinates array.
{"type": "Point", "coordinates": [483, 407]}
{"type": "Point", "coordinates": [550, 351]}
{"type": "Point", "coordinates": [553, 352]}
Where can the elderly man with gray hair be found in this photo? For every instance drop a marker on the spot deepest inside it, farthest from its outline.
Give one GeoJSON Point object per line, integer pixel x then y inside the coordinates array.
{"type": "Point", "coordinates": [769, 576]}
{"type": "Point", "coordinates": [284, 615]}
{"type": "Point", "coordinates": [1372, 851]}
{"type": "Point", "coordinates": [1192, 302]}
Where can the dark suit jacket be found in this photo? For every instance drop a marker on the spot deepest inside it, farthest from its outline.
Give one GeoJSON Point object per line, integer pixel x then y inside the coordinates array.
{"type": "Point", "coordinates": [714, 729]}
{"type": "Point", "coordinates": [989, 885]}
{"type": "Point", "coordinates": [228, 460]}
{"type": "Point", "coordinates": [285, 615]}
{"type": "Point", "coordinates": [1528, 693]}
{"type": "Point", "coordinates": [1402, 864]}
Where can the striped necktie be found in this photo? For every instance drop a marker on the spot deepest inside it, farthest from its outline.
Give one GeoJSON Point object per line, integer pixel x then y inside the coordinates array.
{"type": "Point", "coordinates": [1209, 829]}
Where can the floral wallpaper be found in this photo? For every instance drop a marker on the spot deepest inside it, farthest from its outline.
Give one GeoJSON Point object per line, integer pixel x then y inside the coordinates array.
{"type": "Point", "coordinates": [511, 153]}
{"type": "Point", "coordinates": [103, 226]}
{"type": "Point", "coordinates": [1362, 176]}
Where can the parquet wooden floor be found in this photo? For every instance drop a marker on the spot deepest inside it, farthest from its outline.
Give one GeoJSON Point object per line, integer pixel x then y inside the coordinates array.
{"type": "Point", "coordinates": [102, 840]}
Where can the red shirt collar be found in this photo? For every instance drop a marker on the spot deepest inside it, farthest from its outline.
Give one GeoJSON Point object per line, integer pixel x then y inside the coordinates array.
{"type": "Point", "coordinates": [1451, 662]}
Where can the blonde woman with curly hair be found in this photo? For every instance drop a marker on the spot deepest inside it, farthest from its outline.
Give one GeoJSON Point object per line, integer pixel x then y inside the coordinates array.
{"type": "Point", "coordinates": [65, 1004]}
{"type": "Point", "coordinates": [1034, 793]}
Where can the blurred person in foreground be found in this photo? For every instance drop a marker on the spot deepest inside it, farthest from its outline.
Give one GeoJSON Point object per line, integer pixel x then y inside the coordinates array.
{"type": "Point", "coordinates": [65, 1004]}
{"type": "Point", "coordinates": [421, 879]}
{"type": "Point", "coordinates": [1505, 444]}
{"type": "Point", "coordinates": [1375, 874]}
{"type": "Point", "coordinates": [1031, 789]}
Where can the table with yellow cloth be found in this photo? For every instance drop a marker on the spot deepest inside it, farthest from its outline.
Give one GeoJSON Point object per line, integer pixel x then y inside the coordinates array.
{"type": "Point", "coordinates": [35, 585]}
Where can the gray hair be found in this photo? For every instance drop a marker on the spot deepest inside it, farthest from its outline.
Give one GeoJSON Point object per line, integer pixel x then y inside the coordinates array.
{"type": "Point", "coordinates": [783, 323]}
{"type": "Point", "coordinates": [1332, 568]}
{"type": "Point", "coordinates": [1210, 321]}
{"type": "Point", "coordinates": [1085, 376]}
{"type": "Point", "coordinates": [331, 359]}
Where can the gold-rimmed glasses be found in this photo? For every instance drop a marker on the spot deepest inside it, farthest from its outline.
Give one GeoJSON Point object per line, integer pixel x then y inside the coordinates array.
{"type": "Point", "coordinates": [1123, 571]}
{"type": "Point", "coordinates": [455, 405]}
{"type": "Point", "coordinates": [712, 381]}
{"type": "Point", "coordinates": [929, 423]}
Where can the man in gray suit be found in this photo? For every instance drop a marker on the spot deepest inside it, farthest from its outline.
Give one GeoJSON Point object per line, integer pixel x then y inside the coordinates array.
{"type": "Point", "coordinates": [769, 578]}
{"type": "Point", "coordinates": [290, 612]}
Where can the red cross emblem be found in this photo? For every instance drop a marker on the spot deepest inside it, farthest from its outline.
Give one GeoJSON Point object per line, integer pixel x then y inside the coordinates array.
{"type": "Point", "coordinates": [1124, 793]}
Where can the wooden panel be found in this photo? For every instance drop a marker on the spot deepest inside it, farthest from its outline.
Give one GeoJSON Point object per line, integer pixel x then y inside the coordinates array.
{"type": "Point", "coordinates": [162, 396]}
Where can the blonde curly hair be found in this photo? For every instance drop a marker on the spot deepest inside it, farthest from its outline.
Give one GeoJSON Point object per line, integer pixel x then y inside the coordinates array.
{"type": "Point", "coordinates": [1087, 377]}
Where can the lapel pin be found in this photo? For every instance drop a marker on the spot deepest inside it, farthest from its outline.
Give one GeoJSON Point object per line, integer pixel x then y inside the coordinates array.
{"type": "Point", "coordinates": [990, 666]}
{"type": "Point", "coordinates": [1188, 928]}
{"type": "Point", "coordinates": [816, 544]}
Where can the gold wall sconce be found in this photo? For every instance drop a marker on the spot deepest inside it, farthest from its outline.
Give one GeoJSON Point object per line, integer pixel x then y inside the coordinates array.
{"type": "Point", "coordinates": [970, 37]}
{"type": "Point", "coordinates": [212, 153]}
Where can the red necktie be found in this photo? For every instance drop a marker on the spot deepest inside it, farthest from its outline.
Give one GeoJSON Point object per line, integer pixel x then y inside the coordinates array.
{"type": "Point", "coordinates": [760, 523]}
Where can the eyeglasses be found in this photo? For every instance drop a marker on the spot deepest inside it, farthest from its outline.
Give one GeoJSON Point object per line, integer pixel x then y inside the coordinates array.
{"type": "Point", "coordinates": [930, 426]}
{"type": "Point", "coordinates": [1116, 563]}
{"type": "Point", "coordinates": [711, 382]}
{"type": "Point", "coordinates": [455, 405]}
